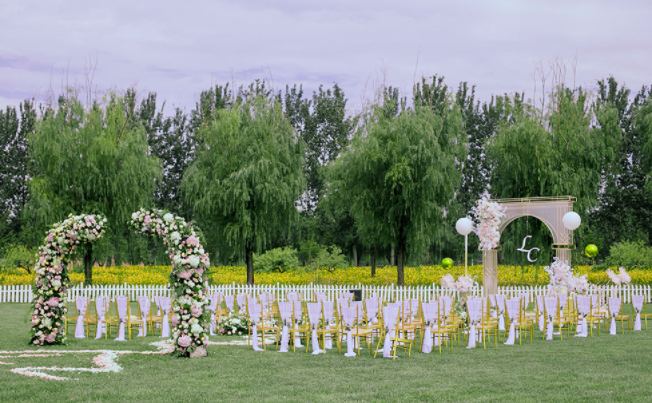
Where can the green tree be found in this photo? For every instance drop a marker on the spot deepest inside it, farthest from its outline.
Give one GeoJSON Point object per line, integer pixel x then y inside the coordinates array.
{"type": "Point", "coordinates": [400, 172]}
{"type": "Point", "coordinates": [247, 175]}
{"type": "Point", "coordinates": [93, 160]}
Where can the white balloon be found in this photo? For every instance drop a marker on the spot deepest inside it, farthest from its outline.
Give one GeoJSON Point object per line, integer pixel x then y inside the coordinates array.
{"type": "Point", "coordinates": [571, 220]}
{"type": "Point", "coordinates": [464, 226]}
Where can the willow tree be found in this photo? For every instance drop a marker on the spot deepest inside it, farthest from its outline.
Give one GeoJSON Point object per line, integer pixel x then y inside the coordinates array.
{"type": "Point", "coordinates": [89, 161]}
{"type": "Point", "coordinates": [247, 175]}
{"type": "Point", "coordinates": [400, 173]}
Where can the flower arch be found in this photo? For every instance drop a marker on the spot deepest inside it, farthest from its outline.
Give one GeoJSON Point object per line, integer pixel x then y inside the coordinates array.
{"type": "Point", "coordinates": [187, 280]}
{"type": "Point", "coordinates": [52, 280]}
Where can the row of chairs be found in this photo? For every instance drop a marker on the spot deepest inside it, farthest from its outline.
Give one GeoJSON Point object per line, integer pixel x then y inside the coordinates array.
{"type": "Point", "coordinates": [116, 313]}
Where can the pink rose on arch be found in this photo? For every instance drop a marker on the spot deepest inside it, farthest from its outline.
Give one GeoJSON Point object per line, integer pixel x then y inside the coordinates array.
{"type": "Point", "coordinates": [54, 301]}
{"type": "Point", "coordinates": [196, 311]}
{"type": "Point", "coordinates": [184, 341]}
{"type": "Point", "coordinates": [175, 320]}
{"type": "Point", "coordinates": [50, 338]}
{"type": "Point", "coordinates": [147, 220]}
{"type": "Point", "coordinates": [185, 274]}
{"type": "Point", "coordinates": [192, 240]}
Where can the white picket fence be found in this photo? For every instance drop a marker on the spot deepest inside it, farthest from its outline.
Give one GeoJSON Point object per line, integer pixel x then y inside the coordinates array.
{"type": "Point", "coordinates": [23, 293]}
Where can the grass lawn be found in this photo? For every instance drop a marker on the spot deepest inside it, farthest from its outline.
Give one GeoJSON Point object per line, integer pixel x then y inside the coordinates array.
{"type": "Point", "coordinates": [605, 368]}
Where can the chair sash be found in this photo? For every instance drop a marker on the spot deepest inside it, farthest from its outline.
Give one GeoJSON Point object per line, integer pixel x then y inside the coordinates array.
{"type": "Point", "coordinates": [614, 309]}
{"type": "Point", "coordinates": [390, 317]}
{"type": "Point", "coordinates": [292, 296]}
{"type": "Point", "coordinates": [214, 300]}
{"type": "Point", "coordinates": [448, 304]}
{"type": "Point", "coordinates": [372, 310]}
{"type": "Point", "coordinates": [563, 298]}
{"type": "Point", "coordinates": [637, 304]}
{"type": "Point", "coordinates": [82, 304]}
{"type": "Point", "coordinates": [541, 309]}
{"type": "Point", "coordinates": [255, 314]}
{"type": "Point", "coordinates": [551, 310]}
{"type": "Point", "coordinates": [285, 310]}
{"type": "Point", "coordinates": [314, 315]}
{"type": "Point", "coordinates": [228, 301]}
{"type": "Point", "coordinates": [298, 314]}
{"type": "Point", "coordinates": [122, 303]}
{"type": "Point", "coordinates": [242, 299]}
{"type": "Point", "coordinates": [583, 308]}
{"type": "Point", "coordinates": [428, 309]}
{"type": "Point", "coordinates": [492, 301]}
{"type": "Point", "coordinates": [144, 305]}
{"type": "Point", "coordinates": [348, 315]}
{"type": "Point", "coordinates": [328, 307]}
{"type": "Point", "coordinates": [347, 295]}
{"type": "Point", "coordinates": [475, 313]}
{"type": "Point", "coordinates": [166, 304]}
{"type": "Point", "coordinates": [101, 304]}
{"type": "Point", "coordinates": [513, 311]}
{"type": "Point", "coordinates": [500, 304]}
{"type": "Point", "coordinates": [320, 296]}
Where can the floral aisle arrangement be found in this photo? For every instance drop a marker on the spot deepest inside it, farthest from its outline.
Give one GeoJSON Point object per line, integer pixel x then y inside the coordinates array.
{"type": "Point", "coordinates": [563, 280]}
{"type": "Point", "coordinates": [463, 285]}
{"type": "Point", "coordinates": [187, 280]}
{"type": "Point", "coordinates": [487, 216]}
{"type": "Point", "coordinates": [51, 286]}
{"type": "Point", "coordinates": [233, 325]}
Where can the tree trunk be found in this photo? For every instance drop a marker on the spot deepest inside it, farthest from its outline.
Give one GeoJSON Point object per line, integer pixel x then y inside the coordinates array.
{"type": "Point", "coordinates": [428, 258]}
{"type": "Point", "coordinates": [391, 259]}
{"type": "Point", "coordinates": [355, 256]}
{"type": "Point", "coordinates": [88, 265]}
{"type": "Point", "coordinates": [399, 266]}
{"type": "Point", "coordinates": [373, 262]}
{"type": "Point", "coordinates": [249, 257]}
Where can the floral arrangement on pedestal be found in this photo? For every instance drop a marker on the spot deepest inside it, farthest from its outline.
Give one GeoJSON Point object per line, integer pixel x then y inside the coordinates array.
{"type": "Point", "coordinates": [563, 281]}
{"type": "Point", "coordinates": [463, 285]}
{"type": "Point", "coordinates": [487, 216]}
{"type": "Point", "coordinates": [51, 287]}
{"type": "Point", "coordinates": [233, 325]}
{"type": "Point", "coordinates": [188, 283]}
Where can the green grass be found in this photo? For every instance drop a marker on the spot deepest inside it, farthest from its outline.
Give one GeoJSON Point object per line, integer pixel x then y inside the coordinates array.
{"type": "Point", "coordinates": [605, 368]}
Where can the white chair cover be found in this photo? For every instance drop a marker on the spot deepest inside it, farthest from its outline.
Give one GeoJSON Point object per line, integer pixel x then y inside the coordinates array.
{"type": "Point", "coordinates": [492, 301]}
{"type": "Point", "coordinates": [166, 305]}
{"type": "Point", "coordinates": [328, 307]}
{"type": "Point", "coordinates": [614, 309]}
{"type": "Point", "coordinates": [101, 304]}
{"type": "Point", "coordinates": [513, 311]}
{"type": "Point", "coordinates": [145, 305]}
{"type": "Point", "coordinates": [349, 315]}
{"type": "Point", "coordinates": [122, 302]}
{"type": "Point", "coordinates": [563, 298]}
{"type": "Point", "coordinates": [637, 304]}
{"type": "Point", "coordinates": [82, 304]}
{"type": "Point", "coordinates": [551, 312]}
{"type": "Point", "coordinates": [475, 312]}
{"type": "Point", "coordinates": [541, 309]}
{"type": "Point", "coordinates": [292, 296]}
{"type": "Point", "coordinates": [390, 316]}
{"type": "Point", "coordinates": [500, 304]}
{"type": "Point", "coordinates": [255, 313]}
{"type": "Point", "coordinates": [583, 308]}
{"type": "Point", "coordinates": [228, 301]}
{"type": "Point", "coordinates": [372, 310]}
{"type": "Point", "coordinates": [214, 300]}
{"type": "Point", "coordinates": [285, 310]}
{"type": "Point", "coordinates": [242, 299]}
{"type": "Point", "coordinates": [429, 310]}
{"type": "Point", "coordinates": [346, 295]}
{"type": "Point", "coordinates": [320, 296]}
{"type": "Point", "coordinates": [314, 315]}
{"type": "Point", "coordinates": [298, 313]}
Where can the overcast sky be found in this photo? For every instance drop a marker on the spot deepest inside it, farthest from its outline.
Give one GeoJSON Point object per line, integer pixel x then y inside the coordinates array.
{"type": "Point", "coordinates": [180, 48]}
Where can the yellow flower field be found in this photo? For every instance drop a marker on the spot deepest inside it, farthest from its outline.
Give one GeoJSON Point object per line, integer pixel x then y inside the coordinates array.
{"type": "Point", "coordinates": [414, 276]}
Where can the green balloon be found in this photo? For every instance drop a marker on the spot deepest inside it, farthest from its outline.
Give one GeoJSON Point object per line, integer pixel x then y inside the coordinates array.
{"type": "Point", "coordinates": [447, 263]}
{"type": "Point", "coordinates": [591, 250]}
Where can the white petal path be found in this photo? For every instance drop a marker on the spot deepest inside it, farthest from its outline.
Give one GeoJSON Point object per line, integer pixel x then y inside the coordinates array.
{"type": "Point", "coordinates": [105, 361]}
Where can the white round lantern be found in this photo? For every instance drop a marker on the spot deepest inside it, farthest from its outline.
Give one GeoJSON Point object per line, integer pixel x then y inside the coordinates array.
{"type": "Point", "coordinates": [464, 226]}
{"type": "Point", "coordinates": [571, 220]}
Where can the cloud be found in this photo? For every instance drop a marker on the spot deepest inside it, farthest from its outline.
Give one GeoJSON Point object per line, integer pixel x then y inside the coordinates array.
{"type": "Point", "coordinates": [179, 49]}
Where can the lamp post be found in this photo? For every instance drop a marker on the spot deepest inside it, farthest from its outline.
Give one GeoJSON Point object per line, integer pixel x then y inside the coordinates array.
{"type": "Point", "coordinates": [464, 226]}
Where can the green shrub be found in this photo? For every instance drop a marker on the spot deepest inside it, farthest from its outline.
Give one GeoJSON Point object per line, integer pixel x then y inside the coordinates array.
{"type": "Point", "coordinates": [279, 260]}
{"type": "Point", "coordinates": [631, 254]}
{"type": "Point", "coordinates": [330, 258]}
{"type": "Point", "coordinates": [19, 257]}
